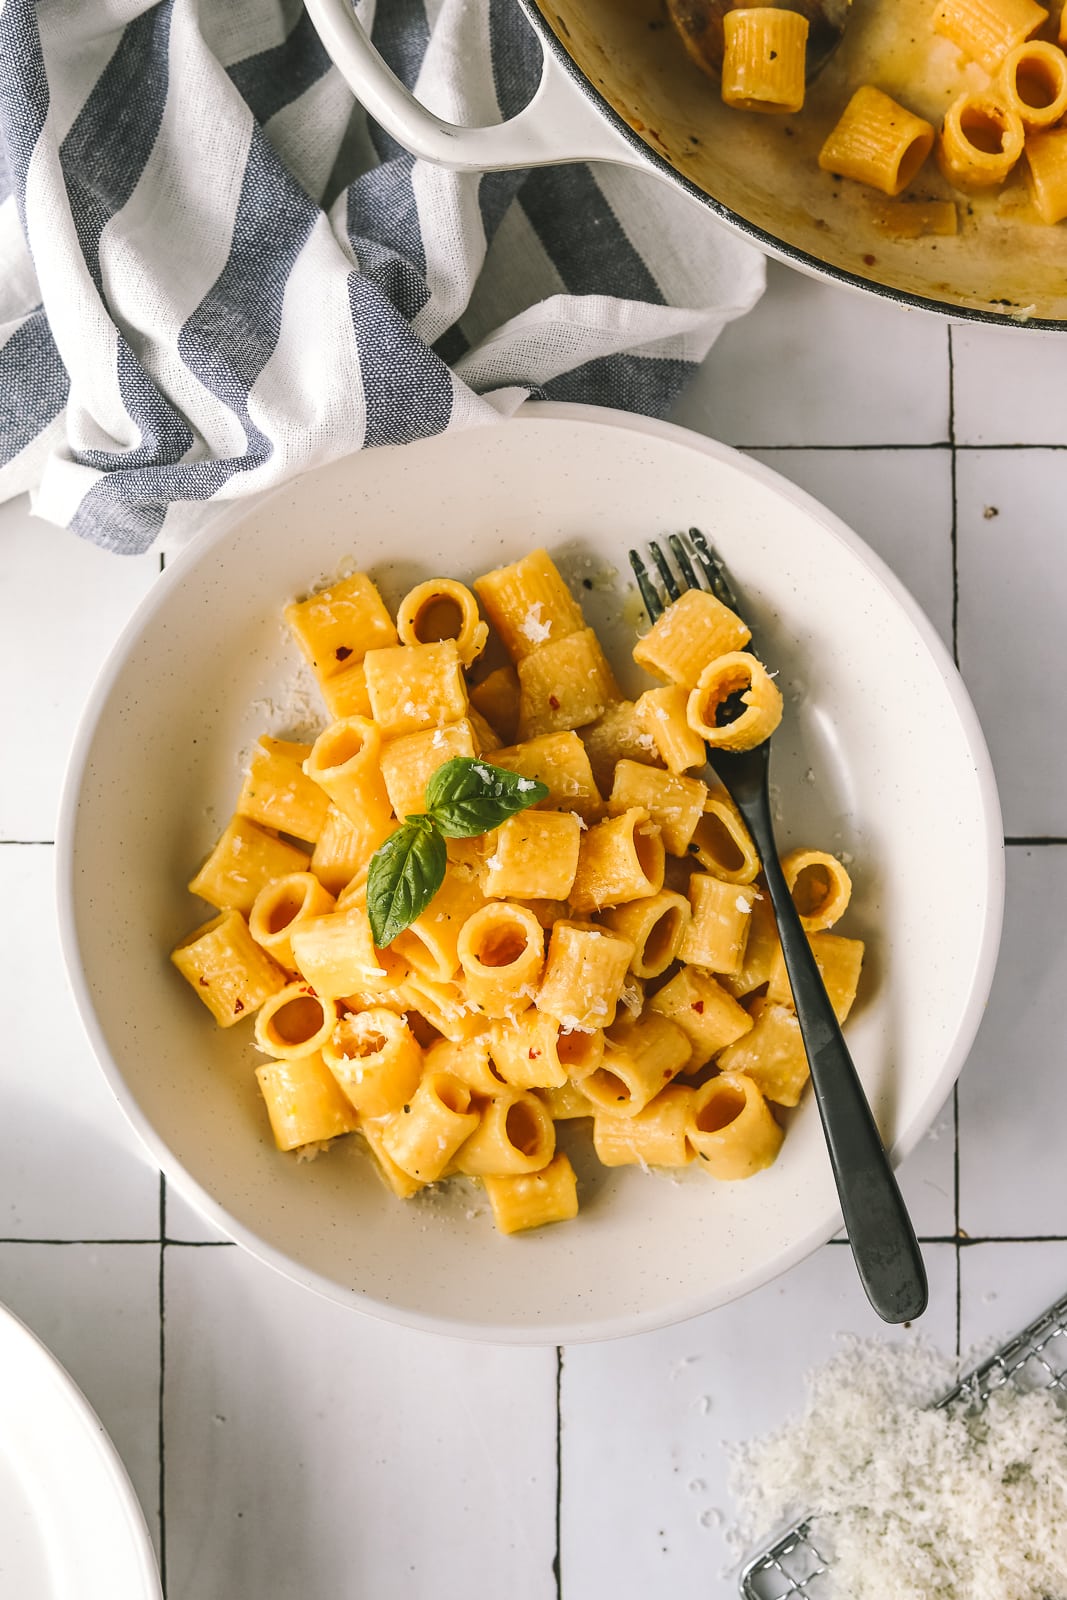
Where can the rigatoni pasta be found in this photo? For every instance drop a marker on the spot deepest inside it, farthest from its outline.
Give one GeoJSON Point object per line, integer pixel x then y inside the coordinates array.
{"type": "Point", "coordinates": [604, 959]}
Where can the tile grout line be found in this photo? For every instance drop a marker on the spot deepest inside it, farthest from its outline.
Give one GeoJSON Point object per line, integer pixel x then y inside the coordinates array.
{"type": "Point", "coordinates": [954, 553]}
{"type": "Point", "coordinates": [161, 1436]}
{"type": "Point", "coordinates": [557, 1563]}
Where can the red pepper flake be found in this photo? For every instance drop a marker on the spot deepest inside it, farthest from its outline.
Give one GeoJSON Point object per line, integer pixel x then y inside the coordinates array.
{"type": "Point", "coordinates": [238, 1007]}
{"type": "Point", "coordinates": [698, 1007]}
{"type": "Point", "coordinates": [553, 702]}
{"type": "Point", "coordinates": [204, 982]}
{"type": "Point", "coordinates": [342, 652]}
{"type": "Point", "coordinates": [533, 1054]}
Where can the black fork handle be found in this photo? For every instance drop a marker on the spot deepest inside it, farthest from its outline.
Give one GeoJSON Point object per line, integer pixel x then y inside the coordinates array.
{"type": "Point", "coordinates": [883, 1240]}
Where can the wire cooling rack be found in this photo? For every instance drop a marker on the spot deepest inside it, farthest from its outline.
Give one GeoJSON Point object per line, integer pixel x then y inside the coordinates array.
{"type": "Point", "coordinates": [795, 1568]}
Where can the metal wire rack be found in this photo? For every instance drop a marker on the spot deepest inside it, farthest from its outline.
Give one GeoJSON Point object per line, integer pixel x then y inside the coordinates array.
{"type": "Point", "coordinates": [795, 1568]}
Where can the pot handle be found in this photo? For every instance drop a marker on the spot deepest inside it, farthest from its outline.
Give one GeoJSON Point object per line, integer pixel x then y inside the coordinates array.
{"type": "Point", "coordinates": [559, 124]}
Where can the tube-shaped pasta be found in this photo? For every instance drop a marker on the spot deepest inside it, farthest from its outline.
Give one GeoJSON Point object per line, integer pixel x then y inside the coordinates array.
{"type": "Point", "coordinates": [276, 792]}
{"type": "Point", "coordinates": [559, 761]}
{"type": "Point", "coordinates": [336, 626]}
{"type": "Point", "coordinates": [345, 693]}
{"type": "Point", "coordinates": [717, 932]}
{"type": "Point", "coordinates": [438, 609]}
{"type": "Point", "coordinates": [443, 1005]}
{"type": "Point", "coordinates": [653, 1137]}
{"type": "Point", "coordinates": [734, 681]}
{"type": "Point", "coordinates": [430, 944]}
{"type": "Point", "coordinates": [662, 713]}
{"type": "Point", "coordinates": [375, 1058]}
{"type": "Point", "coordinates": [425, 1134]}
{"type": "Point", "coordinates": [641, 1055]}
{"type": "Point", "coordinates": [529, 1200]}
{"type": "Point", "coordinates": [469, 1061]}
{"type": "Point", "coordinates": [877, 142]}
{"type": "Point", "coordinates": [762, 948]}
{"type": "Point", "coordinates": [708, 1016]}
{"type": "Point", "coordinates": [722, 843]}
{"type": "Point", "coordinates": [345, 761]}
{"type": "Point", "coordinates": [294, 1022]}
{"type": "Point", "coordinates": [245, 859]}
{"type": "Point", "coordinates": [501, 950]}
{"type": "Point", "coordinates": [1033, 81]}
{"type": "Point", "coordinates": [981, 139]}
{"type": "Point", "coordinates": [771, 1053]}
{"type": "Point", "coordinates": [838, 959]}
{"type": "Point", "coordinates": [585, 972]}
{"type": "Point", "coordinates": [229, 971]}
{"type": "Point", "coordinates": [820, 886]}
{"type": "Point", "coordinates": [674, 803]}
{"type": "Point", "coordinates": [986, 30]}
{"type": "Point", "coordinates": [566, 1103]}
{"type": "Point", "coordinates": [485, 735]}
{"type": "Point", "coordinates": [615, 737]}
{"type": "Point", "coordinates": [534, 856]}
{"type": "Point", "coordinates": [281, 907]}
{"type": "Point", "coordinates": [344, 848]}
{"type": "Point", "coordinates": [620, 859]}
{"type": "Point", "coordinates": [413, 686]}
{"type": "Point", "coordinates": [497, 698]}
{"type": "Point", "coordinates": [529, 604]}
{"type": "Point", "coordinates": [515, 1134]}
{"type": "Point", "coordinates": [764, 59]}
{"type": "Point", "coordinates": [656, 927]}
{"type": "Point", "coordinates": [692, 631]}
{"type": "Point", "coordinates": [537, 1052]}
{"type": "Point", "coordinates": [1046, 161]}
{"type": "Point", "coordinates": [408, 763]}
{"type": "Point", "coordinates": [335, 952]}
{"type": "Point", "coordinates": [401, 1183]}
{"type": "Point", "coordinates": [731, 1127]}
{"type": "Point", "coordinates": [564, 685]}
{"type": "Point", "coordinates": [303, 1102]}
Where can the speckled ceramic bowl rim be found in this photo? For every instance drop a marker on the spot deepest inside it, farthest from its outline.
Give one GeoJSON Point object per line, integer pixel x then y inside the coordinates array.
{"type": "Point", "coordinates": [992, 867]}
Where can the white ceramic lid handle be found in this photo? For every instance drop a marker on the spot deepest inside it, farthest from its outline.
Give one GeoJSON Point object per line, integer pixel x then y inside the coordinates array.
{"type": "Point", "coordinates": [559, 124]}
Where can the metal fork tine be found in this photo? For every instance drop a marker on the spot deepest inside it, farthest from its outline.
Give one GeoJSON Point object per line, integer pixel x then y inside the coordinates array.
{"type": "Point", "coordinates": [670, 582]}
{"type": "Point", "coordinates": [681, 556]}
{"type": "Point", "coordinates": [713, 570]}
{"type": "Point", "coordinates": [649, 593]}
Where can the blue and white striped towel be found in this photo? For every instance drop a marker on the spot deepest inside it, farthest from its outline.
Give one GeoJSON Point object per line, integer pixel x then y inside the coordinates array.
{"type": "Point", "coordinates": [214, 272]}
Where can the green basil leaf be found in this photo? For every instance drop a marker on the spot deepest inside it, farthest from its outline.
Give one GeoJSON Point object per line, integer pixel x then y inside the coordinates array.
{"type": "Point", "coordinates": [405, 874]}
{"type": "Point", "coordinates": [467, 796]}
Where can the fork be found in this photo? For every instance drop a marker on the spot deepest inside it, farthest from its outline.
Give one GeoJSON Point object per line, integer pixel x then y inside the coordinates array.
{"type": "Point", "coordinates": [879, 1229]}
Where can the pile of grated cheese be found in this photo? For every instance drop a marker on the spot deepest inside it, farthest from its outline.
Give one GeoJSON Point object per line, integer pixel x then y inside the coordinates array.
{"type": "Point", "coordinates": [910, 1502]}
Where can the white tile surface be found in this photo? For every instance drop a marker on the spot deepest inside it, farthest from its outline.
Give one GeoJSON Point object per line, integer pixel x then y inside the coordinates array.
{"type": "Point", "coordinates": [63, 603]}
{"type": "Point", "coordinates": [1005, 1287]}
{"type": "Point", "coordinates": [71, 1165]}
{"type": "Point", "coordinates": [96, 1307]}
{"type": "Point", "coordinates": [898, 501]}
{"type": "Point", "coordinates": [307, 1452]}
{"type": "Point", "coordinates": [354, 1458]}
{"type": "Point", "coordinates": [667, 1403]}
{"type": "Point", "coordinates": [817, 365]}
{"type": "Point", "coordinates": [1008, 386]}
{"type": "Point", "coordinates": [1013, 599]}
{"type": "Point", "coordinates": [1011, 1092]}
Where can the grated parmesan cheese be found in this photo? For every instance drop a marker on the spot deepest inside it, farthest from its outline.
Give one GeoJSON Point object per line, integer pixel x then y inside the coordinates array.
{"type": "Point", "coordinates": [532, 626]}
{"type": "Point", "coordinates": [914, 1502]}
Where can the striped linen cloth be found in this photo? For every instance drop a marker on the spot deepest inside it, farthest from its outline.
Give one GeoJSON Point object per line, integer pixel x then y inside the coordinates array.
{"type": "Point", "coordinates": [215, 272]}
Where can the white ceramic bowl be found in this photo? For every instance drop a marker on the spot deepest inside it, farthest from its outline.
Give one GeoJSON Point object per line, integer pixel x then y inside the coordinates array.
{"type": "Point", "coordinates": [879, 755]}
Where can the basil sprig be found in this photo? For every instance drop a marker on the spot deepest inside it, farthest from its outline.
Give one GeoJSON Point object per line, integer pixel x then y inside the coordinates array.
{"type": "Point", "coordinates": [464, 797]}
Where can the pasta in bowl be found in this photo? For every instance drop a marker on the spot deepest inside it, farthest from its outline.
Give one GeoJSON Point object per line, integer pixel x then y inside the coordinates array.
{"type": "Point", "coordinates": [203, 706]}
